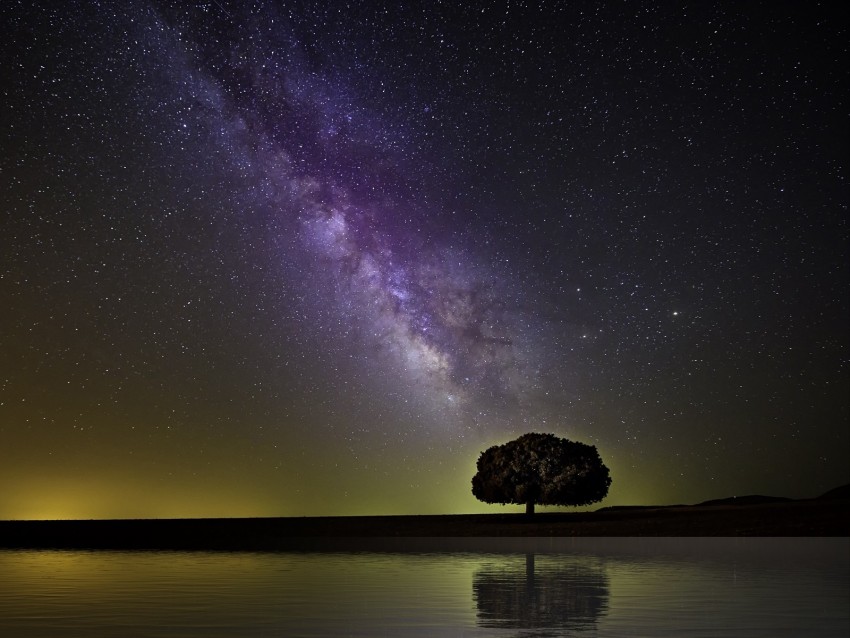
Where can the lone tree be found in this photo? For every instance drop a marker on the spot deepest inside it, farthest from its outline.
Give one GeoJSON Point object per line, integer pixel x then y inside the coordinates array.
{"type": "Point", "coordinates": [541, 469]}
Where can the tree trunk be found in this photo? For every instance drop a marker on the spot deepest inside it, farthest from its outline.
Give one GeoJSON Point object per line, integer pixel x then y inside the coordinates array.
{"type": "Point", "coordinates": [529, 508]}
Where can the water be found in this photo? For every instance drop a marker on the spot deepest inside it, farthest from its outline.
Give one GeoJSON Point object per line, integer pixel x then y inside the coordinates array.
{"type": "Point", "coordinates": [449, 587]}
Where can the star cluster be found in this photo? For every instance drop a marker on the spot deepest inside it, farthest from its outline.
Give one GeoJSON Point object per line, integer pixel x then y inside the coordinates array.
{"type": "Point", "coordinates": [283, 258]}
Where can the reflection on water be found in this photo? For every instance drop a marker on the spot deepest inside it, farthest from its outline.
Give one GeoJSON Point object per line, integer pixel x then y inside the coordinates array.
{"type": "Point", "coordinates": [564, 592]}
{"type": "Point", "coordinates": [448, 587]}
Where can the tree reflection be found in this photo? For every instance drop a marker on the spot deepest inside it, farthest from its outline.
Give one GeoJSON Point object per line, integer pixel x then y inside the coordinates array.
{"type": "Point", "coordinates": [558, 592]}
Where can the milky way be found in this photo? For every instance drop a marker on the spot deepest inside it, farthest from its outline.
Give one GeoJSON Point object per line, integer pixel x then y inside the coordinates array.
{"type": "Point", "coordinates": [451, 326]}
{"type": "Point", "coordinates": [309, 257]}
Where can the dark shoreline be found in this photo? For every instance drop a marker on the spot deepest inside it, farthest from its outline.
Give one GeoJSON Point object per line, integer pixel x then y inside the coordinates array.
{"type": "Point", "coordinates": [791, 518]}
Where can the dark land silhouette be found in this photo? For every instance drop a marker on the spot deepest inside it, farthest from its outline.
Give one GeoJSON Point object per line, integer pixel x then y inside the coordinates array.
{"type": "Point", "coordinates": [828, 515]}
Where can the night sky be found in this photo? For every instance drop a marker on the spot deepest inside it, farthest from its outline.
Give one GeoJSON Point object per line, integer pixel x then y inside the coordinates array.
{"type": "Point", "coordinates": [311, 258]}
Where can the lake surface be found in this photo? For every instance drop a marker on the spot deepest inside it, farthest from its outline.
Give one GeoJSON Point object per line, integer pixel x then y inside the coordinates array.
{"type": "Point", "coordinates": [439, 587]}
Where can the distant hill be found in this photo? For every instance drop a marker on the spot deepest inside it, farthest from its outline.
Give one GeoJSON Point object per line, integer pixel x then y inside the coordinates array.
{"type": "Point", "coordinates": [633, 508]}
{"type": "Point", "coordinates": [842, 492]}
{"type": "Point", "coordinates": [752, 499]}
{"type": "Point", "coordinates": [838, 493]}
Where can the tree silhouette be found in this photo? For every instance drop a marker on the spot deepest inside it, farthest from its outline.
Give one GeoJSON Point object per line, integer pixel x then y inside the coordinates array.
{"type": "Point", "coordinates": [541, 469]}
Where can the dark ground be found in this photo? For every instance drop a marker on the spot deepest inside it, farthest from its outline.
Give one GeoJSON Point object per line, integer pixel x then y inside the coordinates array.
{"type": "Point", "coordinates": [768, 517]}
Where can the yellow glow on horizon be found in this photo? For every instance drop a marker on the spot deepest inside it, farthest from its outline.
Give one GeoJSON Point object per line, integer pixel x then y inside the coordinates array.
{"type": "Point", "coordinates": [222, 491]}
{"type": "Point", "coordinates": [82, 499]}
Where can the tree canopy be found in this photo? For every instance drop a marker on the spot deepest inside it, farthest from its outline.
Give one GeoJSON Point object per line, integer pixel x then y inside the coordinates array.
{"type": "Point", "coordinates": [541, 469]}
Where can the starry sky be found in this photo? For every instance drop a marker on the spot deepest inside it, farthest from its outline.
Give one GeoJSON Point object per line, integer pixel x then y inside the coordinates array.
{"type": "Point", "coordinates": [311, 258]}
